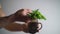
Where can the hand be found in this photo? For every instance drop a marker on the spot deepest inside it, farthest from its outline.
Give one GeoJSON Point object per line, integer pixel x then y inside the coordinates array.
{"type": "Point", "coordinates": [22, 15]}
{"type": "Point", "coordinates": [26, 12]}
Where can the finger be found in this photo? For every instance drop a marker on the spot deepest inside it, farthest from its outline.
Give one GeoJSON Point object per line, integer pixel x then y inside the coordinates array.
{"type": "Point", "coordinates": [29, 10]}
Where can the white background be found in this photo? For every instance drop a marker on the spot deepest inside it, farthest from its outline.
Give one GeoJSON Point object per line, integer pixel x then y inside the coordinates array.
{"type": "Point", "coordinates": [49, 8]}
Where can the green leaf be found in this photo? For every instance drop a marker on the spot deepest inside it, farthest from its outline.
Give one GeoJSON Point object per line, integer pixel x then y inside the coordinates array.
{"type": "Point", "coordinates": [36, 15]}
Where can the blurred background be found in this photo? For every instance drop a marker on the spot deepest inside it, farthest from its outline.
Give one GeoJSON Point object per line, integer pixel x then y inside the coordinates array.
{"type": "Point", "coordinates": [49, 8]}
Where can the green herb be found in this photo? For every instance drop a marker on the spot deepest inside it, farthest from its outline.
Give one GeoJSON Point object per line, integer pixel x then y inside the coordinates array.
{"type": "Point", "coordinates": [36, 15]}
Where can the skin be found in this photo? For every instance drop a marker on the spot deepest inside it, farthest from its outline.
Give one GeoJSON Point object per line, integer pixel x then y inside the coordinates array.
{"type": "Point", "coordinates": [20, 15]}
{"type": "Point", "coordinates": [26, 12]}
{"type": "Point", "coordinates": [12, 26]}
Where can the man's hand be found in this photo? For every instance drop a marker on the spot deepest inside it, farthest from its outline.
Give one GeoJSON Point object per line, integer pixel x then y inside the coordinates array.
{"type": "Point", "coordinates": [26, 11]}
{"type": "Point", "coordinates": [22, 15]}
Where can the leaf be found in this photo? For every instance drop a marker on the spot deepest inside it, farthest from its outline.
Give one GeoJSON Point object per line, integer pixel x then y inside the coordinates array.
{"type": "Point", "coordinates": [36, 15]}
